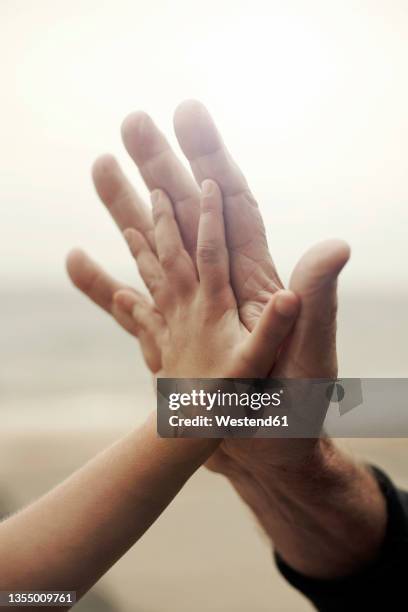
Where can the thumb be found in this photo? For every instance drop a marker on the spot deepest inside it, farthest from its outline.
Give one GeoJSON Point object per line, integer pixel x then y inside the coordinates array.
{"type": "Point", "coordinates": [311, 351]}
{"type": "Point", "coordinates": [272, 329]}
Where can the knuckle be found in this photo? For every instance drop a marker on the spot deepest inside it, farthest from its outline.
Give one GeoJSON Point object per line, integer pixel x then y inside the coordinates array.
{"type": "Point", "coordinates": [168, 258]}
{"type": "Point", "coordinates": [206, 315]}
{"type": "Point", "coordinates": [153, 285]}
{"type": "Point", "coordinates": [162, 209]}
{"type": "Point", "coordinates": [158, 213]}
{"type": "Point", "coordinates": [215, 307]}
{"type": "Point", "coordinates": [209, 252]}
{"type": "Point", "coordinates": [209, 206]}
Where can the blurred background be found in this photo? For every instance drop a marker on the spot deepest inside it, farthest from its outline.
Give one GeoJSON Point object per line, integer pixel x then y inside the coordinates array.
{"type": "Point", "coordinates": [312, 100]}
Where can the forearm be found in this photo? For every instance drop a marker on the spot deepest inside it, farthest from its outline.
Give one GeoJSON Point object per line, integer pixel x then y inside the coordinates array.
{"type": "Point", "coordinates": [70, 537]}
{"type": "Point", "coordinates": [326, 517]}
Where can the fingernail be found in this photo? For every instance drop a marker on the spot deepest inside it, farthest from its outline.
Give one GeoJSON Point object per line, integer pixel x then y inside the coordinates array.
{"type": "Point", "coordinates": [207, 187]}
{"type": "Point", "coordinates": [286, 304]}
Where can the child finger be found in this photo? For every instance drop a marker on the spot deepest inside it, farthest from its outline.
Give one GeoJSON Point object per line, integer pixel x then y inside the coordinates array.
{"type": "Point", "coordinates": [174, 259]}
{"type": "Point", "coordinates": [147, 321]}
{"type": "Point", "coordinates": [276, 322]}
{"type": "Point", "coordinates": [212, 253]}
{"type": "Point", "coordinates": [148, 266]}
{"type": "Point", "coordinates": [123, 316]}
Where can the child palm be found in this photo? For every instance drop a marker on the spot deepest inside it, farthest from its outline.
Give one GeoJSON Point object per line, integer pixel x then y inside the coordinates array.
{"type": "Point", "coordinates": [195, 318]}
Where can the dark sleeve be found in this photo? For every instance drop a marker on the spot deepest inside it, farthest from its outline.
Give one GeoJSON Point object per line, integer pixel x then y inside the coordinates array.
{"type": "Point", "coordinates": [381, 586]}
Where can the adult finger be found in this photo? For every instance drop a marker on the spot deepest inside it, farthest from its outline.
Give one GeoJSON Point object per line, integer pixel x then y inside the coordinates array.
{"type": "Point", "coordinates": [161, 169]}
{"type": "Point", "coordinates": [120, 198]}
{"type": "Point", "coordinates": [203, 146]}
{"type": "Point", "coordinates": [91, 279]}
{"type": "Point", "coordinates": [97, 285]}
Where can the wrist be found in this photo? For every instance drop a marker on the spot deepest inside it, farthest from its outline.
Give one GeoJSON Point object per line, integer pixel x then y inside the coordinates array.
{"type": "Point", "coordinates": [309, 510]}
{"type": "Point", "coordinates": [185, 455]}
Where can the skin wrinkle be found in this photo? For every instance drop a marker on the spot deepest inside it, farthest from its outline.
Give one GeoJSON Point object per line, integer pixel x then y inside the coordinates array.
{"type": "Point", "coordinates": [299, 368]}
{"type": "Point", "coordinates": [263, 497]}
{"type": "Point", "coordinates": [250, 202]}
{"type": "Point", "coordinates": [150, 321]}
{"type": "Point", "coordinates": [250, 276]}
{"type": "Point", "coordinates": [247, 195]}
{"type": "Point", "coordinates": [324, 281]}
{"type": "Point", "coordinates": [119, 193]}
{"type": "Point", "coordinates": [143, 225]}
{"type": "Point", "coordinates": [152, 158]}
{"type": "Point", "coordinates": [154, 285]}
{"type": "Point", "coordinates": [243, 245]}
{"type": "Point", "coordinates": [196, 158]}
{"type": "Point", "coordinates": [208, 252]}
{"type": "Point", "coordinates": [295, 506]}
{"type": "Point", "coordinates": [91, 284]}
{"type": "Point", "coordinates": [224, 179]}
{"type": "Point", "coordinates": [145, 134]}
{"type": "Point", "coordinates": [260, 240]}
{"type": "Point", "coordinates": [328, 324]}
{"type": "Point", "coordinates": [167, 258]}
{"type": "Point", "coordinates": [135, 208]}
{"type": "Point", "coordinates": [180, 204]}
{"type": "Point", "coordinates": [117, 200]}
{"type": "Point", "coordinates": [180, 200]}
{"type": "Point", "coordinates": [281, 501]}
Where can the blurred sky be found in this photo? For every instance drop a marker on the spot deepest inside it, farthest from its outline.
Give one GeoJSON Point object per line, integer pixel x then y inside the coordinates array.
{"type": "Point", "coordinates": [311, 97]}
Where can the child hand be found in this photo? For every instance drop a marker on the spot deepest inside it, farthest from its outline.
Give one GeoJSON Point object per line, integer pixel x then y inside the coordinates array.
{"type": "Point", "coordinates": [196, 320]}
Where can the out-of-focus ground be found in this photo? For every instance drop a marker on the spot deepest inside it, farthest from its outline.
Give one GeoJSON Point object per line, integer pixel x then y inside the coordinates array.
{"type": "Point", "coordinates": [71, 383]}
